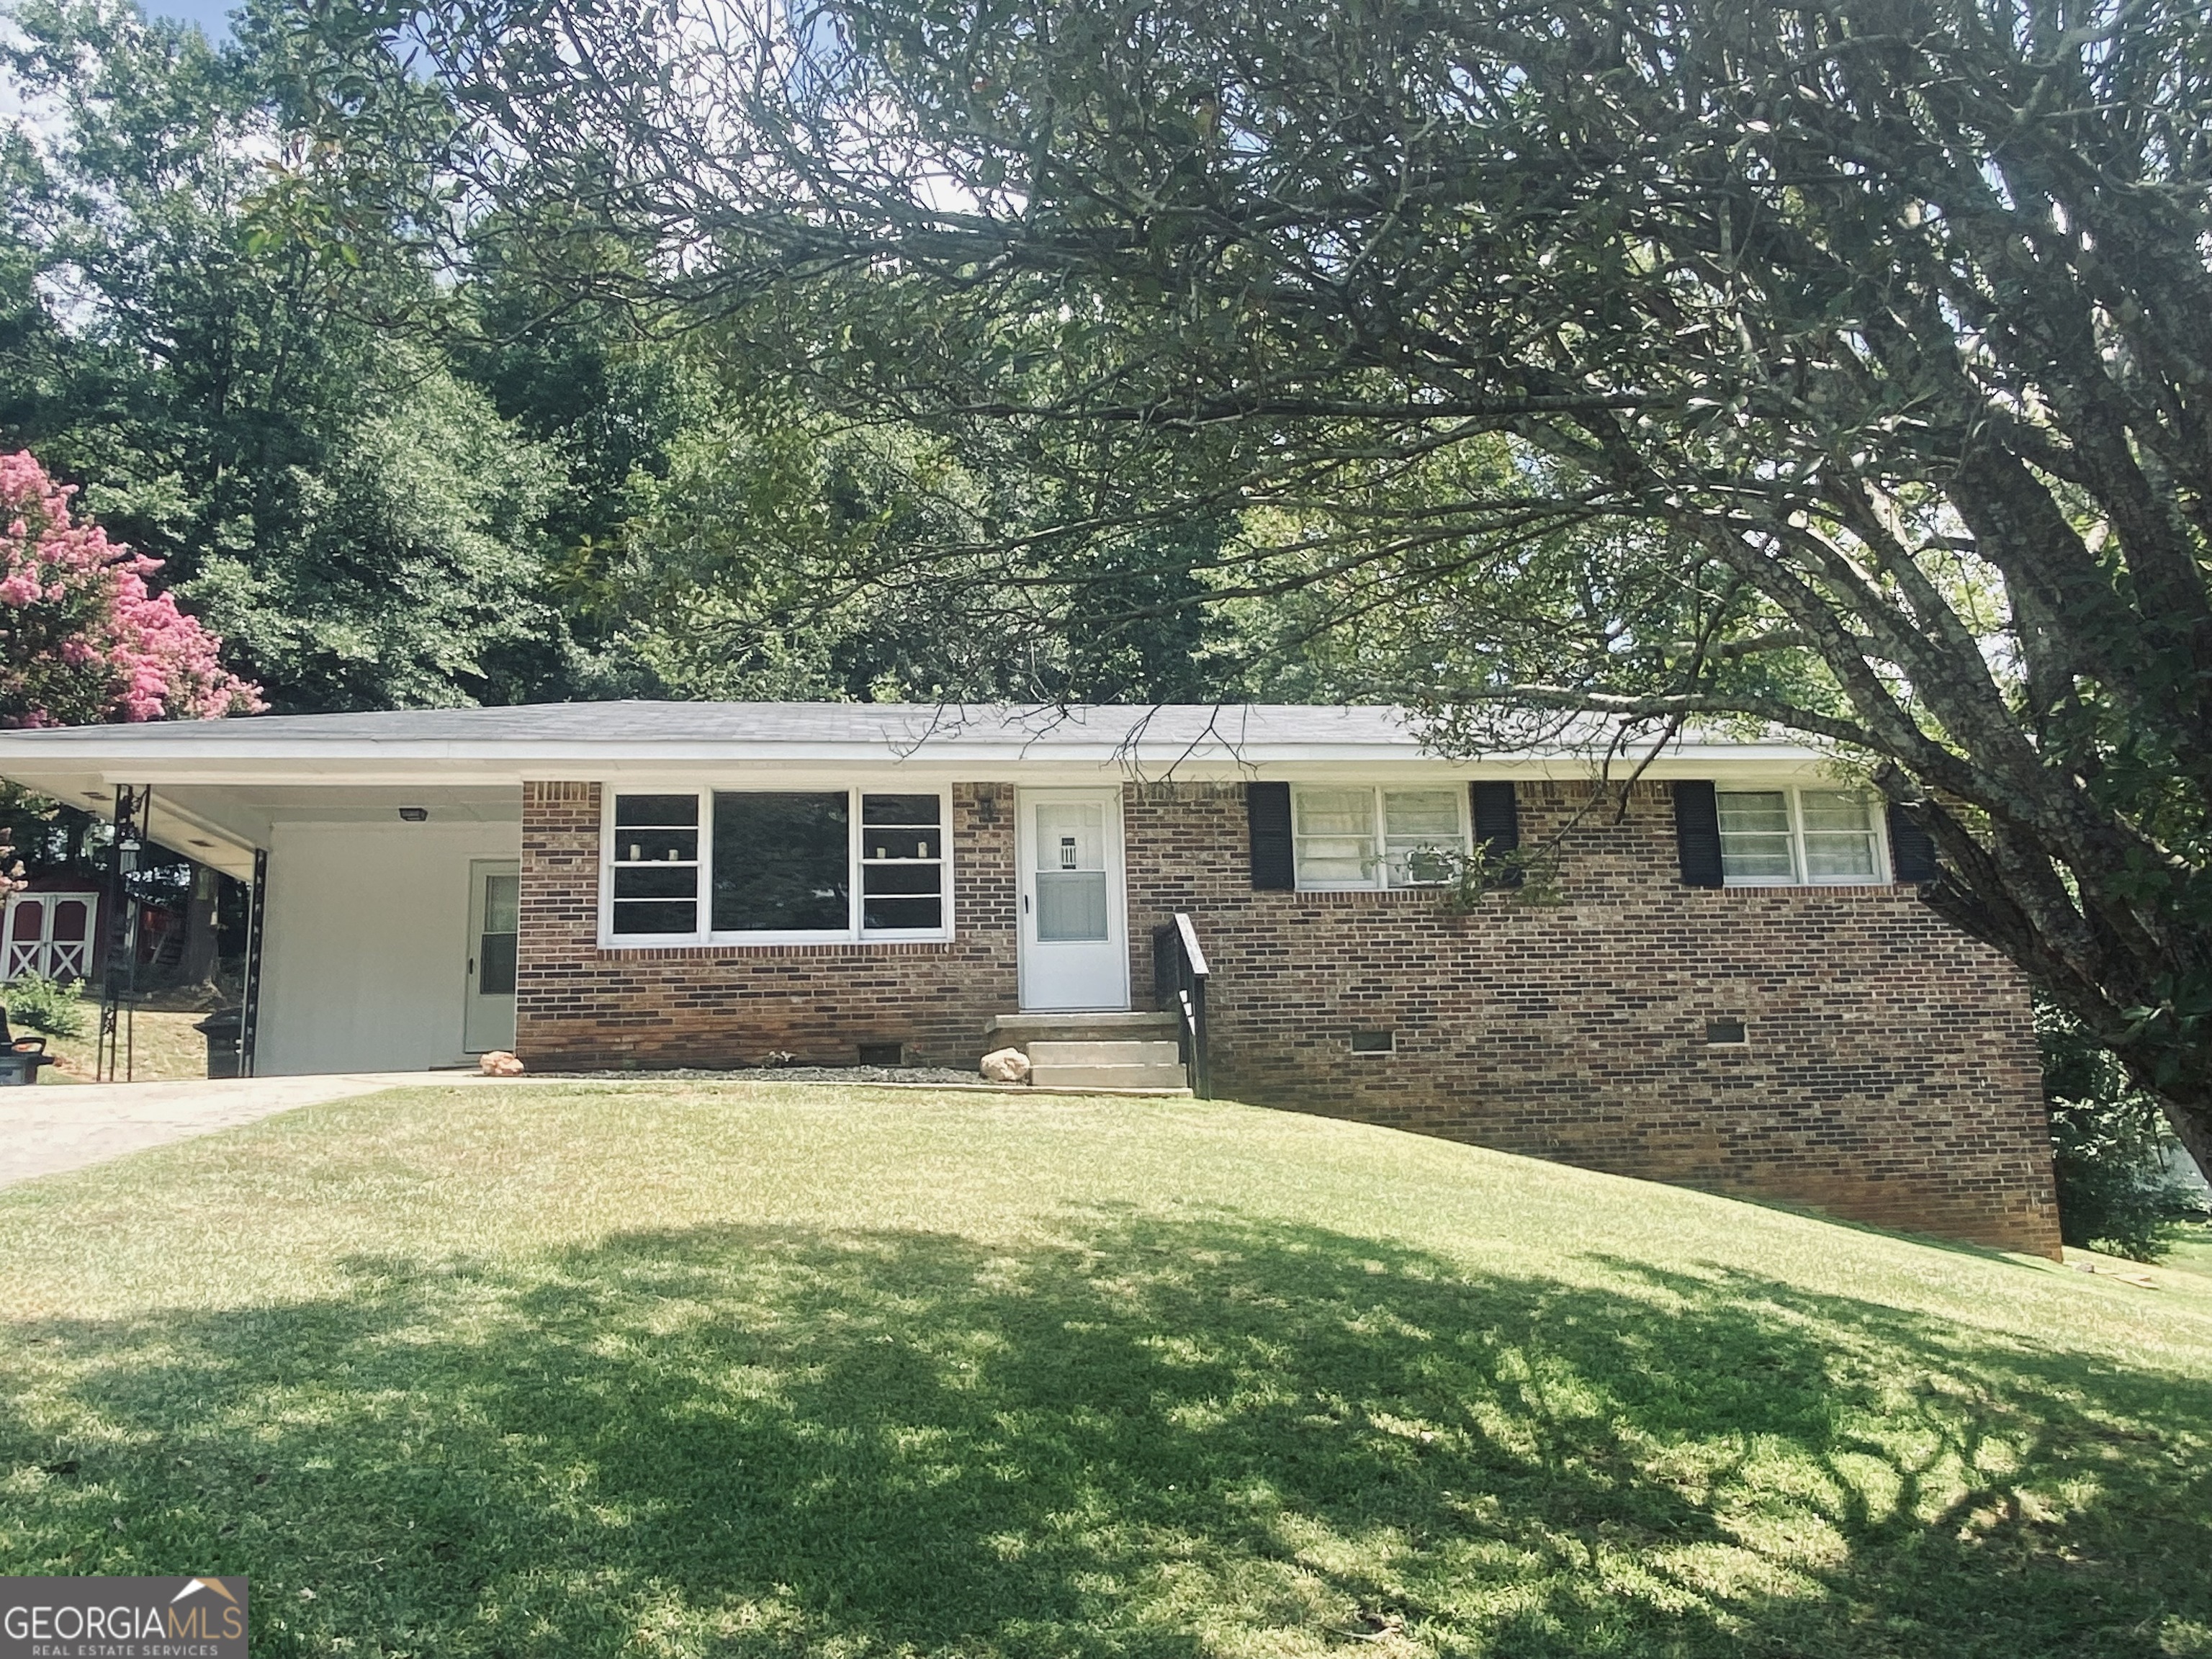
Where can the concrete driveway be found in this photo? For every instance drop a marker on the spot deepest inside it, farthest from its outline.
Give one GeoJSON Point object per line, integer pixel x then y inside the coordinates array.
{"type": "Point", "coordinates": [58, 1127]}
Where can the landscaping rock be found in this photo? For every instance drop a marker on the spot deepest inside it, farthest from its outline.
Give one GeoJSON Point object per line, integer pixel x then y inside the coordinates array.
{"type": "Point", "coordinates": [1007, 1066]}
{"type": "Point", "coordinates": [500, 1063]}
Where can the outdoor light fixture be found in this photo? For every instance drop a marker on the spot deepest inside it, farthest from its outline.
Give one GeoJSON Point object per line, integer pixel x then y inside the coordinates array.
{"type": "Point", "coordinates": [414, 814]}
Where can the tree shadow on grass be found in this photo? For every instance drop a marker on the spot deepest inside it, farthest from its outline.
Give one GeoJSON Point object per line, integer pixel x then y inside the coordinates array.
{"type": "Point", "coordinates": [1155, 1438]}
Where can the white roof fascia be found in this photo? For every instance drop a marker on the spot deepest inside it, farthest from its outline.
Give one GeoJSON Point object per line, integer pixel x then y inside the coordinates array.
{"type": "Point", "coordinates": [388, 762]}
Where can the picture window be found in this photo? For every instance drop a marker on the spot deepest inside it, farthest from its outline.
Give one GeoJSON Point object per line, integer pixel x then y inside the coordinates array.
{"type": "Point", "coordinates": [734, 865]}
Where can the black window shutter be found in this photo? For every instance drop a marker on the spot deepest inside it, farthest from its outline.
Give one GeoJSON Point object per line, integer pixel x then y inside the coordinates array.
{"type": "Point", "coordinates": [1268, 811]}
{"type": "Point", "coordinates": [1497, 826]}
{"type": "Point", "coordinates": [1912, 850]}
{"type": "Point", "coordinates": [1697, 834]}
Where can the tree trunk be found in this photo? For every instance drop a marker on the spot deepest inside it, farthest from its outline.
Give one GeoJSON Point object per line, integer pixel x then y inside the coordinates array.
{"type": "Point", "coordinates": [2188, 1109]}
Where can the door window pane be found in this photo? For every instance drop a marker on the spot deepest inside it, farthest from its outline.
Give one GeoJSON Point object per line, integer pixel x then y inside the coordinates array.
{"type": "Point", "coordinates": [1071, 905]}
{"type": "Point", "coordinates": [1755, 836]}
{"type": "Point", "coordinates": [1333, 831]}
{"type": "Point", "coordinates": [902, 863]}
{"type": "Point", "coordinates": [496, 936]}
{"type": "Point", "coordinates": [1420, 829]}
{"type": "Point", "coordinates": [656, 865]}
{"type": "Point", "coordinates": [502, 905]}
{"type": "Point", "coordinates": [782, 862]}
{"type": "Point", "coordinates": [1839, 837]}
{"type": "Point", "coordinates": [1071, 835]}
{"type": "Point", "coordinates": [1071, 871]}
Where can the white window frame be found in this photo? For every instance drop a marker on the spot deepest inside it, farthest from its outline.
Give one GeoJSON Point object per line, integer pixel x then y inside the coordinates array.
{"type": "Point", "coordinates": [852, 934]}
{"type": "Point", "coordinates": [1884, 872]}
{"type": "Point", "coordinates": [1380, 881]}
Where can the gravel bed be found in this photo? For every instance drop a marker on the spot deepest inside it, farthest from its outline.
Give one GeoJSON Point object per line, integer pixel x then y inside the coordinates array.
{"type": "Point", "coordinates": [942, 1074]}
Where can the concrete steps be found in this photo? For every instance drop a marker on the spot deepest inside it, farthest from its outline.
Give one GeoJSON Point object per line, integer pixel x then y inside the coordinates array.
{"type": "Point", "coordinates": [1019, 1031]}
{"type": "Point", "coordinates": [1080, 1050]}
{"type": "Point", "coordinates": [1105, 1065]}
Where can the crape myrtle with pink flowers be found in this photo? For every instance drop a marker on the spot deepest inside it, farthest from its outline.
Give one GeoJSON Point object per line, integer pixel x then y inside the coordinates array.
{"type": "Point", "coordinates": [82, 638]}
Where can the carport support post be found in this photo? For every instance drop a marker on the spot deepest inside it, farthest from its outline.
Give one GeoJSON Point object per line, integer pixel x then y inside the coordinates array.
{"type": "Point", "coordinates": [118, 978]}
{"type": "Point", "coordinates": [249, 1011]}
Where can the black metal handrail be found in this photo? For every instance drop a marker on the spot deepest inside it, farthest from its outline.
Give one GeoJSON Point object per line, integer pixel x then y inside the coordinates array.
{"type": "Point", "coordinates": [1179, 977]}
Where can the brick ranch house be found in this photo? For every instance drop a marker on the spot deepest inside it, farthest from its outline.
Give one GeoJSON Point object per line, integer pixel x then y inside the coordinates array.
{"type": "Point", "coordinates": [1733, 983]}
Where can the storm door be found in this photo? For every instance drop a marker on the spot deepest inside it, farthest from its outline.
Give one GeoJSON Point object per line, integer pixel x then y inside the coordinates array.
{"type": "Point", "coordinates": [1074, 938]}
{"type": "Point", "coordinates": [494, 930]}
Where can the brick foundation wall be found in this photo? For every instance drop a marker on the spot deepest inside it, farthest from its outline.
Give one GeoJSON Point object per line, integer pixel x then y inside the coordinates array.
{"type": "Point", "coordinates": [581, 1008]}
{"type": "Point", "coordinates": [1890, 1074]}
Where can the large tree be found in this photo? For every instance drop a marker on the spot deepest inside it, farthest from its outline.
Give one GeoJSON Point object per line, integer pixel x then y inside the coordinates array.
{"type": "Point", "coordinates": [1844, 369]}
{"type": "Point", "coordinates": [355, 518]}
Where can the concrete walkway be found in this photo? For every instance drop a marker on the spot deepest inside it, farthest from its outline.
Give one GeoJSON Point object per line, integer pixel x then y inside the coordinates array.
{"type": "Point", "coordinates": [58, 1126]}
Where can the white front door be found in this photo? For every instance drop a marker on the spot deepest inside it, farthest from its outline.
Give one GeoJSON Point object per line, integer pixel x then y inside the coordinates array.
{"type": "Point", "coordinates": [1075, 929]}
{"type": "Point", "coordinates": [495, 929]}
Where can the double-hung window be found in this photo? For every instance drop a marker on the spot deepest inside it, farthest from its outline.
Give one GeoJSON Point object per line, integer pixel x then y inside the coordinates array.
{"type": "Point", "coordinates": [763, 865]}
{"type": "Point", "coordinates": [655, 865]}
{"type": "Point", "coordinates": [1799, 837]}
{"type": "Point", "coordinates": [1376, 836]}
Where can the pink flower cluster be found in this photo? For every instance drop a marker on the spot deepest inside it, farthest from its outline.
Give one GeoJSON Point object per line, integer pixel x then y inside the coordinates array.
{"type": "Point", "coordinates": [85, 640]}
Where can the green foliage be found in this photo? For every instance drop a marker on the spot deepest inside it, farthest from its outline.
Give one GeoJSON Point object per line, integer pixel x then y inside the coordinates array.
{"type": "Point", "coordinates": [364, 529]}
{"type": "Point", "coordinates": [2110, 1145]}
{"type": "Point", "coordinates": [51, 1006]}
{"type": "Point", "coordinates": [410, 572]}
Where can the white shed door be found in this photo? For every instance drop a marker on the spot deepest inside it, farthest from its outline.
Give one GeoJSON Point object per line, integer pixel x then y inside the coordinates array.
{"type": "Point", "coordinates": [49, 934]}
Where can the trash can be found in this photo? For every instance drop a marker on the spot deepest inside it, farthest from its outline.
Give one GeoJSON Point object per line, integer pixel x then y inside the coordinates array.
{"type": "Point", "coordinates": [19, 1064]}
{"type": "Point", "coordinates": [221, 1029]}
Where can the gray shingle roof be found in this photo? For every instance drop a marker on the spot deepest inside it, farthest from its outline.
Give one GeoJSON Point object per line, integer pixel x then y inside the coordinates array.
{"type": "Point", "coordinates": [802, 723]}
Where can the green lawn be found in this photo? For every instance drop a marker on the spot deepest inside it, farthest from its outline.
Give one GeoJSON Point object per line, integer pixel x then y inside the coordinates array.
{"type": "Point", "coordinates": [2189, 1246]}
{"type": "Point", "coordinates": [767, 1369]}
{"type": "Point", "coordinates": [165, 1047]}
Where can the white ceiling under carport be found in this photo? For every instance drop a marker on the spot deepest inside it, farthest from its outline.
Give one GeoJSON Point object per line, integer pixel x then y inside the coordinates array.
{"type": "Point", "coordinates": [221, 825]}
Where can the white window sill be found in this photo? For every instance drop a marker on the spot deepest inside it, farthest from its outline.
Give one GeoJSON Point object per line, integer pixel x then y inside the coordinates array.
{"type": "Point", "coordinates": [1369, 887]}
{"type": "Point", "coordinates": [1807, 886]}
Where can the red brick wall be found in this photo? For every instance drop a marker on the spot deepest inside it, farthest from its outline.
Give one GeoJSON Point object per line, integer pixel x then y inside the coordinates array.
{"type": "Point", "coordinates": [1890, 1075]}
{"type": "Point", "coordinates": [580, 1007]}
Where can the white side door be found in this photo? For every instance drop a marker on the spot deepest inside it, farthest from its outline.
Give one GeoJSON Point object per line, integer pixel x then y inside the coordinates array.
{"type": "Point", "coordinates": [494, 930]}
{"type": "Point", "coordinates": [1075, 926]}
